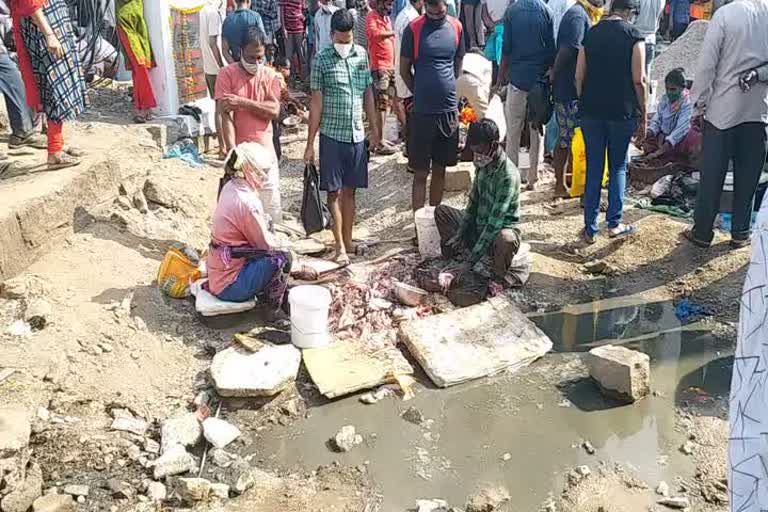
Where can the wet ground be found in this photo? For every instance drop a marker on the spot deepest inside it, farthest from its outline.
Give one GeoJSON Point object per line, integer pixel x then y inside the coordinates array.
{"type": "Point", "coordinates": [539, 416]}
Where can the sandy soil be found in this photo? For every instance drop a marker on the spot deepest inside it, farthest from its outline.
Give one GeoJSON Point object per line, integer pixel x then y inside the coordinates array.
{"type": "Point", "coordinates": [114, 341]}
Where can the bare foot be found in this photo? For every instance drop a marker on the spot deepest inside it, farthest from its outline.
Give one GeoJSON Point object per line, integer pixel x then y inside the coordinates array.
{"type": "Point", "coordinates": [341, 258]}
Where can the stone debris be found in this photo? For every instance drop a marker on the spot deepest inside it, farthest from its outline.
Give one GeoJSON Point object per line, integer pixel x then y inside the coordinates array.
{"type": "Point", "coordinates": [140, 202]}
{"type": "Point", "coordinates": [253, 478]}
{"type": "Point", "coordinates": [21, 498]}
{"type": "Point", "coordinates": [76, 490]}
{"type": "Point", "coordinates": [156, 491]}
{"type": "Point", "coordinates": [15, 429]}
{"type": "Point", "coordinates": [433, 505]}
{"type": "Point", "coordinates": [663, 489]}
{"type": "Point", "coordinates": [679, 503]}
{"type": "Point", "coordinates": [219, 432]}
{"type": "Point", "coordinates": [159, 194]}
{"type": "Point", "coordinates": [130, 424]}
{"type": "Point", "coordinates": [583, 471]}
{"type": "Point", "coordinates": [506, 457]}
{"type": "Point", "coordinates": [621, 373]}
{"type": "Point", "coordinates": [347, 438]}
{"type": "Point", "coordinates": [413, 415]}
{"type": "Point", "coordinates": [588, 447]}
{"type": "Point", "coordinates": [15, 288]}
{"type": "Point", "coordinates": [188, 490]}
{"type": "Point", "coordinates": [688, 448]}
{"type": "Point", "coordinates": [182, 429]}
{"type": "Point", "coordinates": [238, 373]}
{"type": "Point", "coordinates": [377, 396]}
{"type": "Point", "coordinates": [151, 446]}
{"type": "Point", "coordinates": [291, 408]}
{"type": "Point", "coordinates": [174, 462]}
{"type": "Point", "coordinates": [37, 313]}
{"type": "Point", "coordinates": [221, 458]}
{"type": "Point", "coordinates": [54, 503]}
{"type": "Point", "coordinates": [220, 491]}
{"type": "Point", "coordinates": [489, 499]}
{"type": "Point", "coordinates": [120, 490]}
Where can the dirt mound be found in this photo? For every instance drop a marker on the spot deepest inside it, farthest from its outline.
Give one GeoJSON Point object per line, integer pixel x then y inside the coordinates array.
{"type": "Point", "coordinates": [683, 53]}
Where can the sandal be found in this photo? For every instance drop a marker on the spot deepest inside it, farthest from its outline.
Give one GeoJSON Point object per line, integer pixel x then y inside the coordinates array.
{"type": "Point", "coordinates": [621, 231]}
{"type": "Point", "coordinates": [342, 260]}
{"type": "Point", "coordinates": [33, 140]}
{"type": "Point", "coordinates": [688, 235]}
{"type": "Point", "coordinates": [65, 160]}
{"type": "Point", "coordinates": [384, 150]}
{"type": "Point", "coordinates": [587, 238]}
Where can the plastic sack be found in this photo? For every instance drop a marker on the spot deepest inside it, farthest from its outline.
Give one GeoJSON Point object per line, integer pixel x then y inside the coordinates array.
{"type": "Point", "coordinates": [662, 186]}
{"type": "Point", "coordinates": [579, 159]}
{"type": "Point", "coordinates": [315, 216]}
{"type": "Point", "coordinates": [495, 113]}
{"type": "Point", "coordinates": [176, 272]}
{"type": "Point", "coordinates": [540, 105]}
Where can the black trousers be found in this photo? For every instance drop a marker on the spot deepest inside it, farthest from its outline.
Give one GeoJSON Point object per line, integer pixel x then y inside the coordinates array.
{"type": "Point", "coordinates": [746, 144]}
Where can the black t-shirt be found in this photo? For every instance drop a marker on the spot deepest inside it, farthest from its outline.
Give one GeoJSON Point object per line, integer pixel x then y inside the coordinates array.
{"type": "Point", "coordinates": [433, 72]}
{"type": "Point", "coordinates": [609, 91]}
{"type": "Point", "coordinates": [573, 28]}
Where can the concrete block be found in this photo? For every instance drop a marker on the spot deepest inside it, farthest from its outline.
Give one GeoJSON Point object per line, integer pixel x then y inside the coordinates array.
{"type": "Point", "coordinates": [620, 372]}
{"type": "Point", "coordinates": [459, 178]}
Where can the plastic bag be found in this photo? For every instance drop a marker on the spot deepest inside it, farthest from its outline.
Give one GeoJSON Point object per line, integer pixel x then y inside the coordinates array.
{"type": "Point", "coordinates": [579, 159]}
{"type": "Point", "coordinates": [176, 272]}
{"type": "Point", "coordinates": [315, 216]}
{"type": "Point", "coordinates": [540, 105]}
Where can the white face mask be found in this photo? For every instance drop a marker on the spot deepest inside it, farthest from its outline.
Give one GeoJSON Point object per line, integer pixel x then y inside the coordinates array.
{"type": "Point", "coordinates": [250, 68]}
{"type": "Point", "coordinates": [343, 49]}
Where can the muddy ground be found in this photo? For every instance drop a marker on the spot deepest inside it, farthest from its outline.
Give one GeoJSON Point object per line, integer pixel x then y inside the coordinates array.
{"type": "Point", "coordinates": [113, 341]}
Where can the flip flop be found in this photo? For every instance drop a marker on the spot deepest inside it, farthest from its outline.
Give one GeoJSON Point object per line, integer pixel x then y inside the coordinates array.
{"type": "Point", "coordinates": [65, 161]}
{"type": "Point", "coordinates": [622, 230]}
{"type": "Point", "coordinates": [342, 260]}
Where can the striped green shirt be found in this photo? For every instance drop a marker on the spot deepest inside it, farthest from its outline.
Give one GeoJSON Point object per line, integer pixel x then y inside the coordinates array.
{"type": "Point", "coordinates": [494, 204]}
{"type": "Point", "coordinates": [343, 83]}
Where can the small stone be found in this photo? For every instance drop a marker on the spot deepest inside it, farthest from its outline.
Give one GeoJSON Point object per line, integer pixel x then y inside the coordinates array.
{"type": "Point", "coordinates": [120, 413]}
{"type": "Point", "coordinates": [140, 202]}
{"type": "Point", "coordinates": [430, 505]}
{"type": "Point", "coordinates": [156, 491]}
{"type": "Point", "coordinates": [413, 415]}
{"type": "Point", "coordinates": [43, 414]}
{"type": "Point", "coordinates": [151, 446]}
{"type": "Point", "coordinates": [190, 490]}
{"type": "Point", "coordinates": [81, 499]}
{"type": "Point", "coordinates": [120, 490]}
{"type": "Point", "coordinates": [20, 499]}
{"type": "Point", "coordinates": [583, 471]}
{"type": "Point", "coordinates": [76, 490]}
{"type": "Point", "coordinates": [175, 461]}
{"type": "Point", "coordinates": [54, 503]}
{"type": "Point", "coordinates": [124, 203]}
{"type": "Point", "coordinates": [621, 373]}
{"type": "Point", "coordinates": [183, 429]}
{"type": "Point", "coordinates": [133, 425]}
{"type": "Point", "coordinates": [588, 447]}
{"type": "Point", "coordinates": [377, 396]}
{"type": "Point", "coordinates": [219, 432]}
{"type": "Point", "coordinates": [220, 491]}
{"type": "Point", "coordinates": [159, 194]}
{"type": "Point", "coordinates": [506, 457]}
{"type": "Point", "coordinates": [347, 438]}
{"type": "Point", "coordinates": [680, 502]}
{"type": "Point", "coordinates": [133, 452]}
{"type": "Point", "coordinates": [663, 489]}
{"type": "Point", "coordinates": [688, 447]}
{"type": "Point", "coordinates": [38, 313]}
{"type": "Point", "coordinates": [488, 500]}
{"type": "Point", "coordinates": [15, 288]}
{"type": "Point", "coordinates": [597, 267]}
{"type": "Point", "coordinates": [106, 347]}
{"type": "Point", "coordinates": [252, 477]}
{"type": "Point", "coordinates": [290, 408]}
{"type": "Point", "coordinates": [221, 458]}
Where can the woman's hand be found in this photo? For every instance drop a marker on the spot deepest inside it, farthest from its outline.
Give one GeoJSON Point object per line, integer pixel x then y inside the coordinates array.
{"type": "Point", "coordinates": [54, 46]}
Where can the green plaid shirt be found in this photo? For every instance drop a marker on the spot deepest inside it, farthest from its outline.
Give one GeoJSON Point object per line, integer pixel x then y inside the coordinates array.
{"type": "Point", "coordinates": [343, 83]}
{"type": "Point", "coordinates": [494, 204]}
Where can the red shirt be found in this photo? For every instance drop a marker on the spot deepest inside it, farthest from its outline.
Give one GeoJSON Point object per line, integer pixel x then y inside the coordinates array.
{"type": "Point", "coordinates": [293, 16]}
{"type": "Point", "coordinates": [265, 84]}
{"type": "Point", "coordinates": [381, 51]}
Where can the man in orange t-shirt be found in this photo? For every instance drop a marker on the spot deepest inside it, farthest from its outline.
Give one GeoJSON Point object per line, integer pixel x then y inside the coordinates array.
{"type": "Point", "coordinates": [381, 53]}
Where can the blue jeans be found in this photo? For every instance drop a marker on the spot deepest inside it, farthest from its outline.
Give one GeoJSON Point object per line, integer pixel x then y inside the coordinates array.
{"type": "Point", "coordinates": [12, 88]}
{"type": "Point", "coordinates": [252, 279]}
{"type": "Point", "coordinates": [599, 136]}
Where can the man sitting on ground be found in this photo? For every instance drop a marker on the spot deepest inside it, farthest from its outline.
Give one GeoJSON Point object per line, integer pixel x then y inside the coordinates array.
{"type": "Point", "coordinates": [487, 228]}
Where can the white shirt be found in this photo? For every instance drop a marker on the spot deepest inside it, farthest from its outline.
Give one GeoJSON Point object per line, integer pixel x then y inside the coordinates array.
{"type": "Point", "coordinates": [323, 17]}
{"type": "Point", "coordinates": [736, 41]}
{"type": "Point", "coordinates": [559, 8]}
{"type": "Point", "coordinates": [648, 19]}
{"type": "Point", "coordinates": [211, 20]}
{"type": "Point", "coordinates": [404, 19]}
{"type": "Point", "coordinates": [496, 8]}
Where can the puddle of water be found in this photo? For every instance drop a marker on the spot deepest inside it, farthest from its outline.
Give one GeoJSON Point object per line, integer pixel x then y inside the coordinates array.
{"type": "Point", "coordinates": [526, 415]}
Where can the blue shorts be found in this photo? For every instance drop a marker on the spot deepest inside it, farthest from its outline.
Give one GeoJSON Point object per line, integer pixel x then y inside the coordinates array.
{"type": "Point", "coordinates": [254, 276]}
{"type": "Point", "coordinates": [342, 164]}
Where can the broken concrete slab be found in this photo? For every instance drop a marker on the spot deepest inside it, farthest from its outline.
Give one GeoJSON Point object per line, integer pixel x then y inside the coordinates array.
{"type": "Point", "coordinates": [128, 424]}
{"type": "Point", "coordinates": [15, 429]}
{"type": "Point", "coordinates": [459, 178]}
{"type": "Point", "coordinates": [219, 432]}
{"type": "Point", "coordinates": [156, 491]}
{"type": "Point", "coordinates": [77, 490]}
{"type": "Point", "coordinates": [246, 477]}
{"type": "Point", "coordinates": [188, 490]}
{"type": "Point", "coordinates": [621, 373]}
{"type": "Point", "coordinates": [175, 461]}
{"type": "Point", "coordinates": [22, 497]}
{"type": "Point", "coordinates": [238, 373]}
{"type": "Point", "coordinates": [474, 342]}
{"type": "Point", "coordinates": [220, 491]}
{"type": "Point", "coordinates": [364, 368]}
{"type": "Point", "coordinates": [54, 503]}
{"type": "Point", "coordinates": [182, 429]}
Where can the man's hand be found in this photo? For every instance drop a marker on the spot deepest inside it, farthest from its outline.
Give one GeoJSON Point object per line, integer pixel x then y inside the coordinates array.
{"type": "Point", "coordinates": [455, 244]}
{"type": "Point", "coordinates": [231, 102]}
{"type": "Point", "coordinates": [748, 79]}
{"type": "Point", "coordinates": [374, 139]}
{"type": "Point", "coordinates": [309, 153]}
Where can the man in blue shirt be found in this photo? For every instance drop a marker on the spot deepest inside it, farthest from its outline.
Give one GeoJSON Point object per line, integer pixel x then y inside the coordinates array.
{"type": "Point", "coordinates": [236, 27]}
{"type": "Point", "coordinates": [526, 56]}
{"type": "Point", "coordinates": [431, 56]}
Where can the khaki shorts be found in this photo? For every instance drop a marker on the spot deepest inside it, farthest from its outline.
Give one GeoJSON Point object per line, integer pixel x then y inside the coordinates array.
{"type": "Point", "coordinates": [383, 88]}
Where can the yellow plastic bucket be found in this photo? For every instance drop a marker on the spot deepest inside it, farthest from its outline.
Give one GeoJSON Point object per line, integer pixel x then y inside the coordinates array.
{"type": "Point", "coordinates": [176, 271]}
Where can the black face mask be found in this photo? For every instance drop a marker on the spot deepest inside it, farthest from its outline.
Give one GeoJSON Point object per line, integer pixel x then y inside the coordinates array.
{"type": "Point", "coordinates": [436, 21]}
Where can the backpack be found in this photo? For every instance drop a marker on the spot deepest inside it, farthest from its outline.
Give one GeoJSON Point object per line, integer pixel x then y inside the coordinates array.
{"type": "Point", "coordinates": [540, 105]}
{"type": "Point", "coordinates": [314, 213]}
{"type": "Point", "coordinates": [418, 24]}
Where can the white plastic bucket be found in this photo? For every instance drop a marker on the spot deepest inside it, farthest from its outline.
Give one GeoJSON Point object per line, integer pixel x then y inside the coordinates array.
{"type": "Point", "coordinates": [309, 316]}
{"type": "Point", "coordinates": [427, 233]}
{"type": "Point", "coordinates": [391, 128]}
